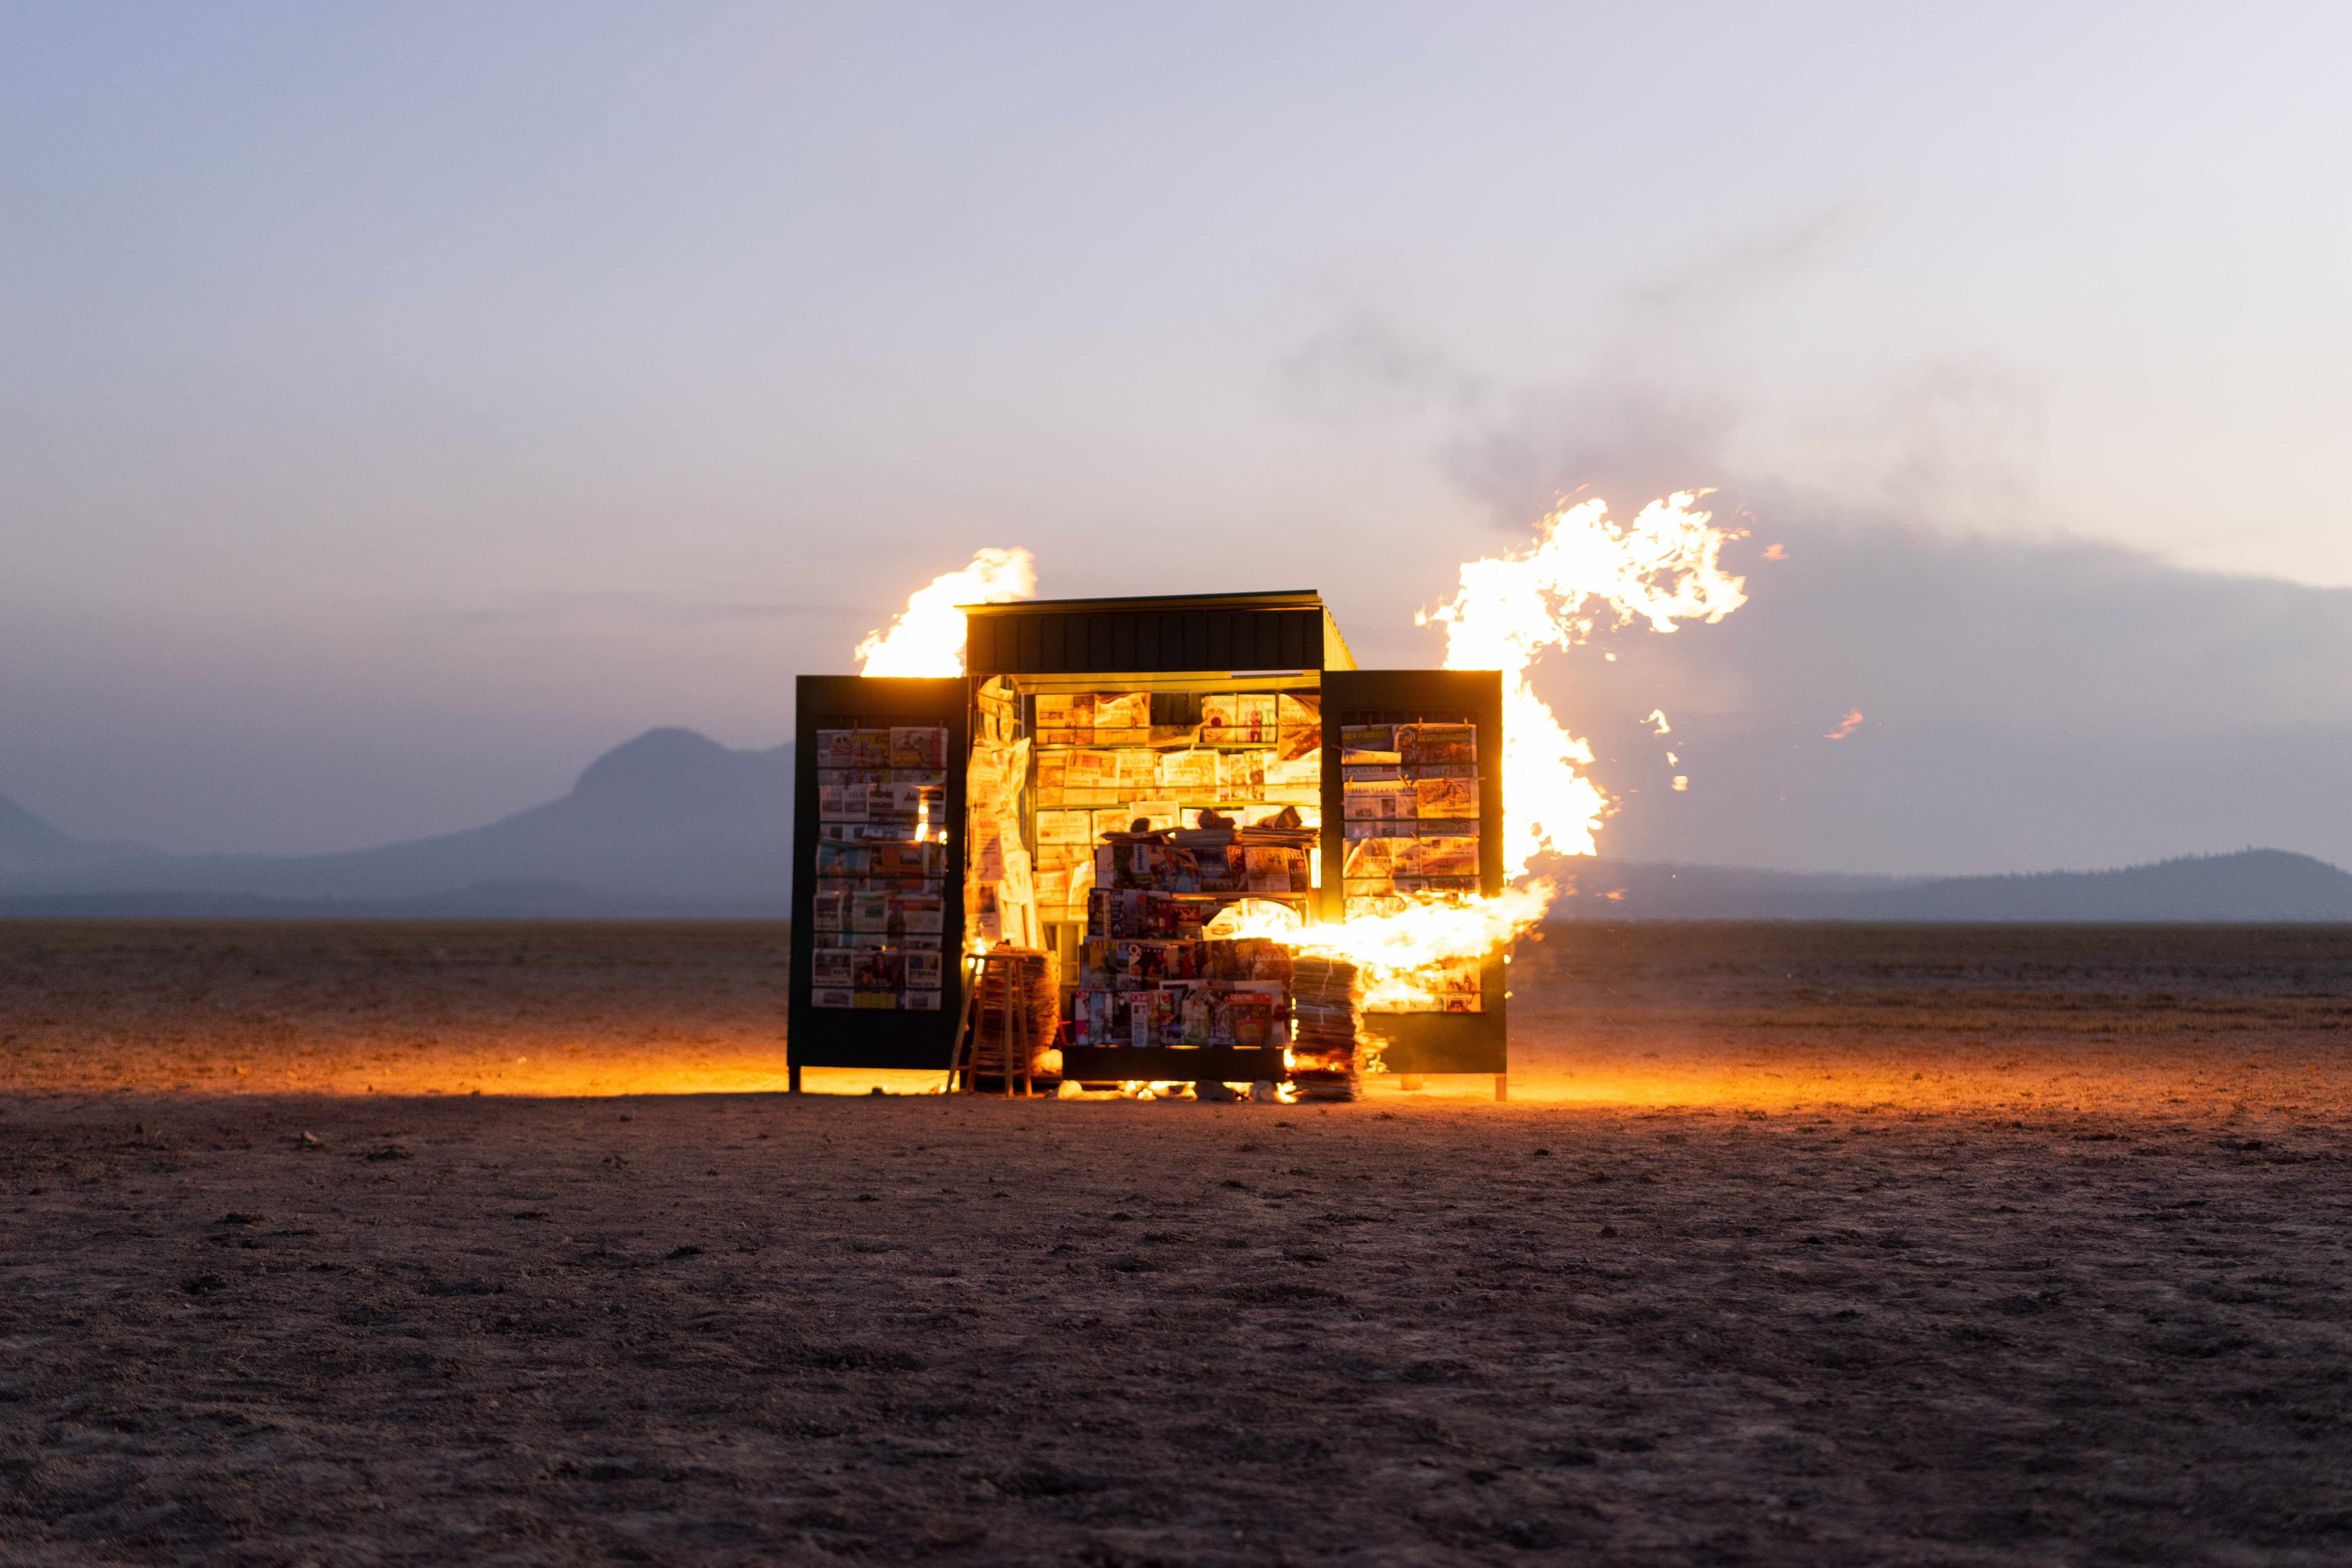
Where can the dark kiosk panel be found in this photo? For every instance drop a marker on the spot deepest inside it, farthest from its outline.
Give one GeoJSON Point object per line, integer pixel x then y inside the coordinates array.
{"type": "Point", "coordinates": [1427, 1042]}
{"type": "Point", "coordinates": [1289, 630]}
{"type": "Point", "coordinates": [855, 1034]}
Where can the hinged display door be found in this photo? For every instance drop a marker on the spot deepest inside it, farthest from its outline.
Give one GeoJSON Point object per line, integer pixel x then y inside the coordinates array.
{"type": "Point", "coordinates": [878, 871]}
{"type": "Point", "coordinates": [1412, 805]}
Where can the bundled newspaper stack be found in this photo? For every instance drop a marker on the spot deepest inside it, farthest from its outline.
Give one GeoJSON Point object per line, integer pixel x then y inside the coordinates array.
{"type": "Point", "coordinates": [1326, 1002]}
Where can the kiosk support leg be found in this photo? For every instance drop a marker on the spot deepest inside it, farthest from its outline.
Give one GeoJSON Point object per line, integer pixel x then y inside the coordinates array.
{"type": "Point", "coordinates": [1502, 1085]}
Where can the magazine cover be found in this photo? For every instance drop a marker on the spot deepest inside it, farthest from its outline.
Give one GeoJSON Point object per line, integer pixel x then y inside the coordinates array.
{"type": "Point", "coordinates": [921, 861]}
{"type": "Point", "coordinates": [923, 971]}
{"type": "Point", "coordinates": [1300, 710]}
{"type": "Point", "coordinates": [1448, 857]}
{"type": "Point", "coordinates": [1089, 768]}
{"type": "Point", "coordinates": [872, 748]}
{"type": "Point", "coordinates": [869, 912]}
{"type": "Point", "coordinates": [912, 1001]}
{"type": "Point", "coordinates": [919, 745]}
{"type": "Point", "coordinates": [1249, 1019]}
{"type": "Point", "coordinates": [1368, 737]}
{"type": "Point", "coordinates": [1152, 1017]}
{"type": "Point", "coordinates": [1197, 1023]}
{"type": "Point", "coordinates": [1427, 744]}
{"type": "Point", "coordinates": [1188, 773]}
{"type": "Point", "coordinates": [1053, 711]}
{"type": "Point", "coordinates": [828, 911]}
{"type": "Point", "coordinates": [1066, 827]}
{"type": "Point", "coordinates": [842, 860]}
{"type": "Point", "coordinates": [878, 969]}
{"type": "Point", "coordinates": [835, 749]}
{"type": "Point", "coordinates": [830, 967]}
{"type": "Point", "coordinates": [1446, 797]}
{"type": "Point", "coordinates": [1241, 770]}
{"type": "Point", "coordinates": [1127, 710]}
{"type": "Point", "coordinates": [832, 996]}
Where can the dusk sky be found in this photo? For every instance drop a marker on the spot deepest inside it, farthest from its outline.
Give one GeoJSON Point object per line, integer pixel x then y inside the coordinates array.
{"type": "Point", "coordinates": [404, 404]}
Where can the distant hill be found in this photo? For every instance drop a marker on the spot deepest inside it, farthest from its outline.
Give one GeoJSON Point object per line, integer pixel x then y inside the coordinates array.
{"type": "Point", "coordinates": [29, 845]}
{"type": "Point", "coordinates": [670, 823]}
{"type": "Point", "coordinates": [674, 824]}
{"type": "Point", "coordinates": [2251, 885]}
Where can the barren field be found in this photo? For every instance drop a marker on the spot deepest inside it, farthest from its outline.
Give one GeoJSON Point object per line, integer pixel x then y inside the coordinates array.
{"type": "Point", "coordinates": [1795, 1244]}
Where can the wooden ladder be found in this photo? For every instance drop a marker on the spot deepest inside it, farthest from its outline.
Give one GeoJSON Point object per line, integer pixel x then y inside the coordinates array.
{"type": "Point", "coordinates": [1018, 1036]}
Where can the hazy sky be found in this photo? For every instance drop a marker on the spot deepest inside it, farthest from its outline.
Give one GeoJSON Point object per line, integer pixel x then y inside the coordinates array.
{"type": "Point", "coordinates": [399, 406]}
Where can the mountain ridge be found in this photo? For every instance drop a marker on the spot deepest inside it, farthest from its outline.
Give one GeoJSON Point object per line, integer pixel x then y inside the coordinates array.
{"type": "Point", "coordinates": [667, 820]}
{"type": "Point", "coordinates": [672, 824]}
{"type": "Point", "coordinates": [2253, 885]}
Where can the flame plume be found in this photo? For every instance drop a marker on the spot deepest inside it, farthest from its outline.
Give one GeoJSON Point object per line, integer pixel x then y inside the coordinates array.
{"type": "Point", "coordinates": [928, 637]}
{"type": "Point", "coordinates": [1584, 574]}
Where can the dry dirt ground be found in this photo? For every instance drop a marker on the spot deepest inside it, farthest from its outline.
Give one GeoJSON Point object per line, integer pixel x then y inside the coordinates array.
{"type": "Point", "coordinates": [1796, 1245]}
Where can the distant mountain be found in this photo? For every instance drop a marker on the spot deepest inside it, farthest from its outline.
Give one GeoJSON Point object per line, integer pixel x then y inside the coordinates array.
{"type": "Point", "coordinates": [485, 900]}
{"type": "Point", "coordinates": [670, 823]}
{"type": "Point", "coordinates": [2251, 885]}
{"type": "Point", "coordinates": [27, 845]}
{"type": "Point", "coordinates": [674, 824]}
{"type": "Point", "coordinates": [1622, 889]}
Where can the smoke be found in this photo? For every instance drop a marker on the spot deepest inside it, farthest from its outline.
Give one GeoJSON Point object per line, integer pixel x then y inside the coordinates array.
{"type": "Point", "coordinates": [2034, 699]}
{"type": "Point", "coordinates": [1657, 400]}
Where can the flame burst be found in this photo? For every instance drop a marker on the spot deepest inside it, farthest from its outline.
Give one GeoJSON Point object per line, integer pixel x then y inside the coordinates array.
{"type": "Point", "coordinates": [1395, 952]}
{"type": "Point", "coordinates": [1584, 574]}
{"type": "Point", "coordinates": [928, 637]}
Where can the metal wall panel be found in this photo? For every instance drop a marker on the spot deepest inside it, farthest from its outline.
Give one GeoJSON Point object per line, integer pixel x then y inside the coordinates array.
{"type": "Point", "coordinates": [1427, 1042]}
{"type": "Point", "coordinates": [842, 1038]}
{"type": "Point", "coordinates": [1145, 640]}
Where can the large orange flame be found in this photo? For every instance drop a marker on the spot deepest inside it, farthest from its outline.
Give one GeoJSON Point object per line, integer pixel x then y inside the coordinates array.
{"type": "Point", "coordinates": [928, 637]}
{"type": "Point", "coordinates": [1584, 574]}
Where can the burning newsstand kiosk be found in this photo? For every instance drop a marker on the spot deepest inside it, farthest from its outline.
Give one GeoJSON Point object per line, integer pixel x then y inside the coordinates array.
{"type": "Point", "coordinates": [938, 816]}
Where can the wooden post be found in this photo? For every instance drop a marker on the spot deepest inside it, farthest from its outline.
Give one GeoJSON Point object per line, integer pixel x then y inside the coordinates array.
{"type": "Point", "coordinates": [1502, 1085]}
